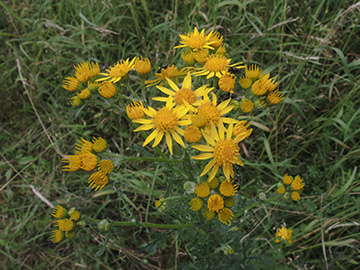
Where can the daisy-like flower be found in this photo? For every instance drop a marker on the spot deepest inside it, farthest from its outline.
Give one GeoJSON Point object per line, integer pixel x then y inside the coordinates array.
{"type": "Point", "coordinates": [227, 82]}
{"type": "Point", "coordinates": [295, 196]}
{"type": "Point", "coordinates": [225, 215]}
{"type": "Point", "coordinates": [242, 127]}
{"type": "Point", "coordinates": [65, 224]}
{"type": "Point", "coordinates": [200, 56]}
{"type": "Point", "coordinates": [252, 72]}
{"type": "Point", "coordinates": [170, 72]}
{"type": "Point", "coordinates": [106, 166]}
{"type": "Point", "coordinates": [202, 190]}
{"type": "Point", "coordinates": [166, 121]}
{"type": "Point", "coordinates": [198, 120]}
{"type": "Point", "coordinates": [224, 151]}
{"type": "Point", "coordinates": [246, 105]}
{"type": "Point", "coordinates": [74, 215]}
{"type": "Point", "coordinates": [192, 134]}
{"type": "Point", "coordinates": [75, 101]}
{"type": "Point", "coordinates": [196, 204]}
{"type": "Point", "coordinates": [82, 71]}
{"type": "Point", "coordinates": [74, 163]}
{"type": "Point", "coordinates": [135, 110]}
{"type": "Point", "coordinates": [83, 146]}
{"type": "Point", "coordinates": [245, 82]}
{"type": "Point", "coordinates": [57, 236]}
{"type": "Point", "coordinates": [107, 89]}
{"type": "Point", "coordinates": [228, 189]}
{"type": "Point", "coordinates": [188, 57]}
{"type": "Point", "coordinates": [216, 65]}
{"type": "Point", "coordinates": [142, 66]}
{"type": "Point", "coordinates": [99, 144]}
{"type": "Point", "coordinates": [229, 202]}
{"type": "Point", "coordinates": [275, 97]}
{"type": "Point", "coordinates": [214, 112]}
{"type": "Point", "coordinates": [297, 184]}
{"type": "Point", "coordinates": [216, 40]}
{"type": "Point", "coordinates": [209, 214]}
{"type": "Point", "coordinates": [71, 84]}
{"type": "Point", "coordinates": [88, 161]}
{"type": "Point", "coordinates": [84, 94]}
{"type": "Point", "coordinates": [118, 71]}
{"type": "Point", "coordinates": [284, 234]}
{"type": "Point", "coordinates": [287, 179]}
{"type": "Point", "coordinates": [196, 41]}
{"type": "Point", "coordinates": [98, 180]}
{"type": "Point", "coordinates": [59, 212]}
{"type": "Point", "coordinates": [184, 95]}
{"type": "Point", "coordinates": [281, 190]}
{"type": "Point", "coordinates": [215, 203]}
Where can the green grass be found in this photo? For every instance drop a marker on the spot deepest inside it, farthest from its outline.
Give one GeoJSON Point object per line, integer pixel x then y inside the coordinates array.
{"type": "Point", "coordinates": [313, 49]}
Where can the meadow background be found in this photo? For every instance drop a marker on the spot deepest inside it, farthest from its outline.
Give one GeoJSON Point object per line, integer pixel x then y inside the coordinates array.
{"type": "Point", "coordinates": [313, 49]}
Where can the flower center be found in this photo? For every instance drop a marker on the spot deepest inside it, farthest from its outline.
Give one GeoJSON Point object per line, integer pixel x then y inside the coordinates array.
{"type": "Point", "coordinates": [185, 94]}
{"type": "Point", "coordinates": [225, 151]}
{"type": "Point", "coordinates": [215, 202]}
{"type": "Point", "coordinates": [165, 120]}
{"type": "Point", "coordinates": [216, 63]}
{"type": "Point", "coordinates": [211, 112]}
{"type": "Point", "coordinates": [119, 70]}
{"type": "Point", "coordinates": [196, 41]}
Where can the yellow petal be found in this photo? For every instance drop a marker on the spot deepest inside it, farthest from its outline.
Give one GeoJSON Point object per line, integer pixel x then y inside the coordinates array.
{"type": "Point", "coordinates": [208, 167]}
{"type": "Point", "coordinates": [143, 121]}
{"type": "Point", "coordinates": [151, 137]}
{"type": "Point", "coordinates": [158, 138]}
{"type": "Point", "coordinates": [230, 131]}
{"type": "Point", "coordinates": [144, 127]}
{"type": "Point", "coordinates": [187, 81]}
{"type": "Point", "coordinates": [221, 130]}
{"type": "Point", "coordinates": [161, 99]}
{"type": "Point", "coordinates": [223, 104]}
{"type": "Point", "coordinates": [203, 156]}
{"type": "Point", "coordinates": [178, 139]}
{"type": "Point", "coordinates": [214, 132]}
{"type": "Point", "coordinates": [208, 138]}
{"type": "Point", "coordinates": [226, 170]}
{"type": "Point", "coordinates": [169, 142]}
{"type": "Point", "coordinates": [213, 172]}
{"type": "Point", "coordinates": [172, 85]}
{"type": "Point", "coordinates": [203, 148]}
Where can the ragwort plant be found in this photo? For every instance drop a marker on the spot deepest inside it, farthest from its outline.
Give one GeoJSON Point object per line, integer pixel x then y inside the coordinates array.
{"type": "Point", "coordinates": [194, 131]}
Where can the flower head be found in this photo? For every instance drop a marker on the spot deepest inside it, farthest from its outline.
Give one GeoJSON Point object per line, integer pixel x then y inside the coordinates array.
{"type": "Point", "coordinates": [71, 84]}
{"type": "Point", "coordinates": [74, 163]}
{"type": "Point", "coordinates": [281, 190]}
{"type": "Point", "coordinates": [227, 82]}
{"type": "Point", "coordinates": [169, 72]}
{"type": "Point", "coordinates": [59, 212]}
{"type": "Point", "coordinates": [118, 71]}
{"type": "Point", "coordinates": [215, 203]}
{"type": "Point", "coordinates": [196, 204]}
{"type": "Point", "coordinates": [200, 56]}
{"type": "Point", "coordinates": [225, 215]}
{"type": "Point", "coordinates": [98, 180]}
{"type": "Point", "coordinates": [83, 146]}
{"type": "Point", "coordinates": [229, 202]}
{"type": "Point", "coordinates": [88, 161]}
{"type": "Point", "coordinates": [106, 166]}
{"type": "Point", "coordinates": [284, 234]}
{"type": "Point", "coordinates": [84, 94]}
{"type": "Point", "coordinates": [135, 110]}
{"type": "Point", "coordinates": [75, 215]}
{"type": "Point", "coordinates": [216, 65]}
{"type": "Point", "coordinates": [228, 189]}
{"type": "Point", "coordinates": [252, 72]}
{"type": "Point", "coordinates": [107, 89]}
{"type": "Point", "coordinates": [209, 214]}
{"type": "Point", "coordinates": [65, 224]}
{"type": "Point", "coordinates": [297, 184]}
{"type": "Point", "coordinates": [214, 183]}
{"type": "Point", "coordinates": [224, 151]}
{"type": "Point", "coordinates": [196, 41]}
{"type": "Point", "coordinates": [275, 97]}
{"type": "Point", "coordinates": [166, 121]}
{"type": "Point", "coordinates": [245, 82]}
{"type": "Point", "coordinates": [202, 190]}
{"type": "Point", "coordinates": [287, 179]}
{"type": "Point", "coordinates": [295, 196]}
{"type": "Point", "coordinates": [188, 57]}
{"type": "Point", "coordinates": [242, 127]}
{"type": "Point", "coordinates": [184, 95]}
{"type": "Point", "coordinates": [99, 144]}
{"type": "Point", "coordinates": [57, 236]}
{"type": "Point", "coordinates": [142, 66]}
{"type": "Point", "coordinates": [247, 105]}
{"type": "Point", "coordinates": [75, 101]}
{"type": "Point", "coordinates": [192, 134]}
{"type": "Point", "coordinates": [216, 40]}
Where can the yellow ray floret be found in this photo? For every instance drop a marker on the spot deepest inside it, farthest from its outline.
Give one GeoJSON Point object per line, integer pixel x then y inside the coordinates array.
{"type": "Point", "coordinates": [118, 71]}
{"type": "Point", "coordinates": [196, 41]}
{"type": "Point", "coordinates": [166, 121]}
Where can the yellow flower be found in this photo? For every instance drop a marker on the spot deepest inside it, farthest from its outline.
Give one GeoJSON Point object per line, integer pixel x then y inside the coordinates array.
{"type": "Point", "coordinates": [107, 89]}
{"type": "Point", "coordinates": [74, 163]}
{"type": "Point", "coordinates": [287, 179]}
{"type": "Point", "coordinates": [166, 121]}
{"type": "Point", "coordinates": [216, 40]}
{"type": "Point", "coordinates": [98, 180]}
{"type": "Point", "coordinates": [298, 183]}
{"type": "Point", "coordinates": [196, 204]}
{"type": "Point", "coordinates": [225, 215]}
{"type": "Point", "coordinates": [84, 94]}
{"type": "Point", "coordinates": [214, 183]}
{"type": "Point", "coordinates": [56, 236]}
{"type": "Point", "coordinates": [295, 195]}
{"type": "Point", "coordinates": [281, 190]}
{"type": "Point", "coordinates": [198, 120]}
{"type": "Point", "coordinates": [158, 203]}
{"type": "Point", "coordinates": [82, 71]}
{"type": "Point", "coordinates": [245, 82]}
{"type": "Point", "coordinates": [284, 234]}
{"type": "Point", "coordinates": [209, 214]}
{"type": "Point", "coordinates": [75, 215]}
{"type": "Point", "coordinates": [215, 203]}
{"type": "Point", "coordinates": [241, 127]}
{"type": "Point", "coordinates": [188, 57]}
{"type": "Point", "coordinates": [184, 95]}
{"type": "Point", "coordinates": [275, 97]}
{"type": "Point", "coordinates": [196, 41]}
{"type": "Point", "coordinates": [142, 66]}
{"type": "Point", "coordinates": [192, 134]}
{"type": "Point", "coordinates": [216, 65]}
{"type": "Point", "coordinates": [228, 189]}
{"type": "Point", "coordinates": [88, 161]}
{"type": "Point", "coordinates": [70, 235]}
{"type": "Point", "coordinates": [59, 212]}
{"type": "Point", "coordinates": [247, 105]}
{"type": "Point", "coordinates": [99, 144]}
{"type": "Point", "coordinates": [71, 84]}
{"type": "Point", "coordinates": [83, 146]}
{"type": "Point", "coordinates": [106, 166]}
{"type": "Point", "coordinates": [94, 69]}
{"type": "Point", "coordinates": [118, 71]}
{"type": "Point", "coordinates": [229, 202]}
{"type": "Point", "coordinates": [170, 72]}
{"type": "Point", "coordinates": [202, 190]}
{"type": "Point", "coordinates": [65, 224]}
{"type": "Point", "coordinates": [75, 101]}
{"type": "Point", "coordinates": [200, 56]}
{"type": "Point", "coordinates": [252, 72]}
{"type": "Point", "coordinates": [224, 151]}
{"type": "Point", "coordinates": [135, 110]}
{"type": "Point", "coordinates": [259, 88]}
{"type": "Point", "coordinates": [214, 112]}
{"type": "Point", "coordinates": [227, 82]}
{"type": "Point", "coordinates": [221, 50]}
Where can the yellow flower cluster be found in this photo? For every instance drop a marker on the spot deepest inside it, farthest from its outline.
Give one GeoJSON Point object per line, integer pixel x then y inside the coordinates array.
{"type": "Point", "coordinates": [85, 159]}
{"type": "Point", "coordinates": [295, 187]}
{"type": "Point", "coordinates": [218, 203]}
{"type": "Point", "coordinates": [284, 234]}
{"type": "Point", "coordinates": [65, 223]}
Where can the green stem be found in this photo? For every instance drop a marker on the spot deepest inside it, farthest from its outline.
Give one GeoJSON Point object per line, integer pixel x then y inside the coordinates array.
{"type": "Point", "coordinates": [145, 224]}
